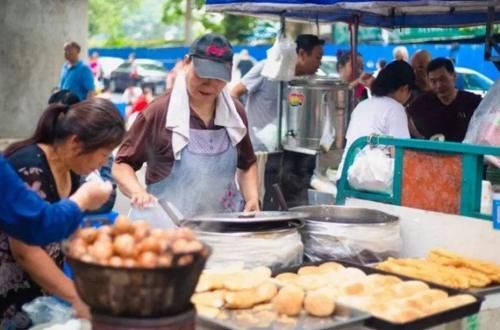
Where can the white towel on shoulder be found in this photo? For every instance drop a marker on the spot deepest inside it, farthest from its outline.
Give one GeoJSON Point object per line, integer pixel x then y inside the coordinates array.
{"type": "Point", "coordinates": [178, 115]}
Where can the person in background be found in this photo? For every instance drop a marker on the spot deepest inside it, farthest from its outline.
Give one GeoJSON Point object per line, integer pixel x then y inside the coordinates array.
{"type": "Point", "coordinates": [383, 113]}
{"type": "Point", "coordinates": [76, 76]}
{"type": "Point", "coordinates": [130, 95]}
{"type": "Point", "coordinates": [381, 63]}
{"type": "Point", "coordinates": [419, 62]}
{"type": "Point", "coordinates": [69, 141]}
{"type": "Point", "coordinates": [194, 140]}
{"type": "Point", "coordinates": [134, 70]}
{"type": "Point", "coordinates": [357, 80]}
{"type": "Point", "coordinates": [444, 109]}
{"type": "Point", "coordinates": [262, 94]}
{"type": "Point", "coordinates": [95, 66]}
{"type": "Point", "coordinates": [25, 216]}
{"type": "Point", "coordinates": [140, 104]}
{"type": "Point", "coordinates": [245, 63]}
{"type": "Point", "coordinates": [400, 53]}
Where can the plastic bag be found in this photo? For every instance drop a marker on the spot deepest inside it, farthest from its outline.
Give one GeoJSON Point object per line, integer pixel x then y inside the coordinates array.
{"type": "Point", "coordinates": [281, 60]}
{"type": "Point", "coordinates": [372, 170]}
{"type": "Point", "coordinates": [153, 214]}
{"type": "Point", "coordinates": [484, 126]}
{"type": "Point", "coordinates": [47, 309]}
{"type": "Point", "coordinates": [363, 244]}
{"type": "Point", "coordinates": [275, 250]}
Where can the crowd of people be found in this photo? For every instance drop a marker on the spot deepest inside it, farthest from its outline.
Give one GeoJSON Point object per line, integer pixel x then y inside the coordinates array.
{"type": "Point", "coordinates": [198, 142]}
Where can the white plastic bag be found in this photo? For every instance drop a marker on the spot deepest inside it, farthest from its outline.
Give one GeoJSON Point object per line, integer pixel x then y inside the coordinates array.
{"type": "Point", "coordinates": [372, 170]}
{"type": "Point", "coordinates": [281, 60]}
{"type": "Point", "coordinates": [153, 214]}
{"type": "Point", "coordinates": [484, 126]}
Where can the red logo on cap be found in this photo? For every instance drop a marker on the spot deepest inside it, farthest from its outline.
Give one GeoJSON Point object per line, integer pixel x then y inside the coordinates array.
{"type": "Point", "coordinates": [215, 50]}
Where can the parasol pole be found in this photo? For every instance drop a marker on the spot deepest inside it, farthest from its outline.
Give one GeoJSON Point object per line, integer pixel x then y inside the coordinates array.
{"type": "Point", "coordinates": [281, 87]}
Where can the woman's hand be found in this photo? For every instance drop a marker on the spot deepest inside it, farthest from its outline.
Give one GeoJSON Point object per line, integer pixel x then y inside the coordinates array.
{"type": "Point", "coordinates": [92, 195]}
{"type": "Point", "coordinates": [142, 199]}
{"type": "Point", "coordinates": [252, 206]}
{"type": "Point", "coordinates": [82, 311]}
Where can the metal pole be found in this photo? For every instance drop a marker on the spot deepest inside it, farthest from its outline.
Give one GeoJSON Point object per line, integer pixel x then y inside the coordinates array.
{"type": "Point", "coordinates": [280, 89]}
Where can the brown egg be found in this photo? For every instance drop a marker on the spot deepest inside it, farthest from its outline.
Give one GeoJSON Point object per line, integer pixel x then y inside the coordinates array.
{"type": "Point", "coordinates": [194, 247]}
{"type": "Point", "coordinates": [103, 262]}
{"type": "Point", "coordinates": [180, 246]}
{"type": "Point", "coordinates": [116, 261]}
{"type": "Point", "coordinates": [105, 229]}
{"type": "Point", "coordinates": [185, 260]}
{"type": "Point", "coordinates": [140, 224]}
{"type": "Point", "coordinates": [147, 259]}
{"type": "Point", "coordinates": [88, 234]}
{"type": "Point", "coordinates": [186, 233]}
{"type": "Point", "coordinates": [124, 246]}
{"type": "Point", "coordinates": [129, 262]}
{"type": "Point", "coordinates": [101, 250]}
{"type": "Point", "coordinates": [103, 237]}
{"type": "Point", "coordinates": [140, 233]}
{"type": "Point", "coordinates": [164, 244]}
{"type": "Point", "coordinates": [150, 244]}
{"type": "Point", "coordinates": [77, 250]}
{"type": "Point", "coordinates": [165, 260]}
{"type": "Point", "coordinates": [122, 225]}
{"type": "Point", "coordinates": [87, 258]}
{"type": "Point", "coordinates": [158, 233]}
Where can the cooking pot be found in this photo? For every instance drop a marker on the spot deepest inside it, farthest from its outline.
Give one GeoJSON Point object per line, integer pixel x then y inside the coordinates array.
{"type": "Point", "coordinates": [269, 238]}
{"type": "Point", "coordinates": [349, 233]}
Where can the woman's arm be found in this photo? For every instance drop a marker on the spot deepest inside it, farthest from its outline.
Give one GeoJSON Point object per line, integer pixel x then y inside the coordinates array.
{"type": "Point", "coordinates": [43, 270]}
{"type": "Point", "coordinates": [24, 215]}
{"type": "Point", "coordinates": [248, 182]}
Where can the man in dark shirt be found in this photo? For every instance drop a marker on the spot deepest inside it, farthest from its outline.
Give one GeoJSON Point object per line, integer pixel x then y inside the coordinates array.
{"type": "Point", "coordinates": [444, 110]}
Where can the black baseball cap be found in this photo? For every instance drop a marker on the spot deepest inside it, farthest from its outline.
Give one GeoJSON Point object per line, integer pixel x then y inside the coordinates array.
{"type": "Point", "coordinates": [212, 56]}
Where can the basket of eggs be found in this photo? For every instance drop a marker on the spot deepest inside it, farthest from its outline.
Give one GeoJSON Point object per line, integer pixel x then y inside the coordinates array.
{"type": "Point", "coordinates": [131, 270]}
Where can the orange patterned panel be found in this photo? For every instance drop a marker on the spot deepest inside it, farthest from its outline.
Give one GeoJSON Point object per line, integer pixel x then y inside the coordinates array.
{"type": "Point", "coordinates": [431, 181]}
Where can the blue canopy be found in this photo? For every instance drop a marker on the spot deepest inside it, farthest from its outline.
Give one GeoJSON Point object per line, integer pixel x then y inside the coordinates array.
{"type": "Point", "coordinates": [382, 13]}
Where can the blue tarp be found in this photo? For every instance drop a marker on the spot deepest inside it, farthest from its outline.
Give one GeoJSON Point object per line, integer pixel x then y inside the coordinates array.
{"type": "Point", "coordinates": [382, 13]}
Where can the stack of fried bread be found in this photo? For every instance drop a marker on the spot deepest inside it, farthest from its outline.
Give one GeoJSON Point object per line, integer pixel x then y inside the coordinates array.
{"type": "Point", "coordinates": [315, 290]}
{"type": "Point", "coordinates": [446, 268]}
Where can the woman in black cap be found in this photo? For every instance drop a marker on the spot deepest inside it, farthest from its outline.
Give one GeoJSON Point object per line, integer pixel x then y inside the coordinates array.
{"type": "Point", "coordinates": [194, 139]}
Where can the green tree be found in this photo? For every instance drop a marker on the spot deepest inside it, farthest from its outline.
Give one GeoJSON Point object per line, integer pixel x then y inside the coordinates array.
{"type": "Point", "coordinates": [190, 12]}
{"type": "Point", "coordinates": [106, 18]}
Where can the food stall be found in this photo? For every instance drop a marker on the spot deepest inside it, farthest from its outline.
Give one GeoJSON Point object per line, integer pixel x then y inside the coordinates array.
{"type": "Point", "coordinates": [136, 277]}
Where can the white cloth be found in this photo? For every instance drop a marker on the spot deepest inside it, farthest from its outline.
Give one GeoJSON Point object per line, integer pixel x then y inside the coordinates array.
{"type": "Point", "coordinates": [376, 115]}
{"type": "Point", "coordinates": [178, 114]}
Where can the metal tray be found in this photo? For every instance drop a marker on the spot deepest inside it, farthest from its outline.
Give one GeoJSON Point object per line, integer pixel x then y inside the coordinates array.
{"type": "Point", "coordinates": [489, 289]}
{"type": "Point", "coordinates": [344, 316]}
{"type": "Point", "coordinates": [422, 323]}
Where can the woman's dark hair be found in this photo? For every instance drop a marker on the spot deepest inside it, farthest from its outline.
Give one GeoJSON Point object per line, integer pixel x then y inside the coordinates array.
{"type": "Point", "coordinates": [96, 122]}
{"type": "Point", "coordinates": [393, 76]}
{"type": "Point", "coordinates": [64, 96]}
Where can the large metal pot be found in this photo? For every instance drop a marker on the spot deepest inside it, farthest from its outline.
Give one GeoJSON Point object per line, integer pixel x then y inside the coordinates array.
{"type": "Point", "coordinates": [264, 239]}
{"type": "Point", "coordinates": [349, 233]}
{"type": "Point", "coordinates": [316, 105]}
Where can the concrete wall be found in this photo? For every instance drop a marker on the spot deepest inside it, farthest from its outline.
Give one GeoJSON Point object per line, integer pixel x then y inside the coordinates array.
{"type": "Point", "coordinates": [32, 34]}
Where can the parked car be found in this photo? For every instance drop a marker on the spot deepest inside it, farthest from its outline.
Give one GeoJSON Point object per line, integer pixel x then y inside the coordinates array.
{"type": "Point", "coordinates": [149, 72]}
{"type": "Point", "coordinates": [473, 81]}
{"type": "Point", "coordinates": [328, 67]}
{"type": "Point", "coordinates": [108, 64]}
